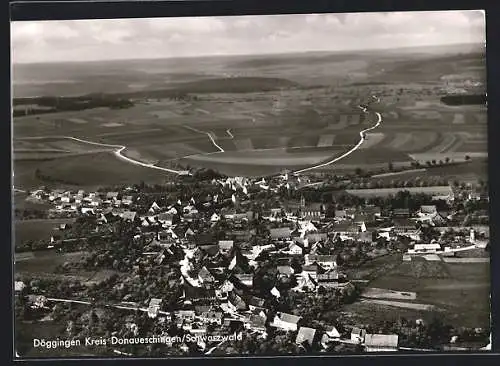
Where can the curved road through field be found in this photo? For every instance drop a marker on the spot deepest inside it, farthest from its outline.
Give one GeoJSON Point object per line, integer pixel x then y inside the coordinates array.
{"type": "Point", "coordinates": [353, 149]}
{"type": "Point", "coordinates": [118, 151]}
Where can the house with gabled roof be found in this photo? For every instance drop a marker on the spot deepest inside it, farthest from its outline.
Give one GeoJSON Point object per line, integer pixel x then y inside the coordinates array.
{"type": "Point", "coordinates": [256, 323]}
{"type": "Point", "coordinates": [245, 278]}
{"type": "Point", "coordinates": [155, 208]}
{"type": "Point", "coordinates": [358, 335]}
{"type": "Point", "coordinates": [235, 302]}
{"type": "Point", "coordinates": [381, 342]}
{"type": "Point", "coordinates": [205, 277]}
{"type": "Point", "coordinates": [287, 322]}
{"type": "Point", "coordinates": [225, 246]}
{"type": "Point", "coordinates": [282, 233]}
{"type": "Point", "coordinates": [305, 283]}
{"type": "Point", "coordinates": [212, 317]}
{"type": "Point", "coordinates": [325, 261]}
{"type": "Point", "coordinates": [306, 336]}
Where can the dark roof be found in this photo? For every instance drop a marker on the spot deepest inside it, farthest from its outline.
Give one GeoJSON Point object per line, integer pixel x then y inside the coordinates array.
{"type": "Point", "coordinates": [322, 258]}
{"type": "Point", "coordinates": [205, 274]}
{"type": "Point", "coordinates": [285, 270]}
{"type": "Point", "coordinates": [358, 331]}
{"type": "Point", "coordinates": [212, 315]}
{"type": "Point", "coordinates": [256, 301]}
{"type": "Point", "coordinates": [257, 321]}
{"type": "Point", "coordinates": [282, 232]}
{"type": "Point", "coordinates": [237, 301]}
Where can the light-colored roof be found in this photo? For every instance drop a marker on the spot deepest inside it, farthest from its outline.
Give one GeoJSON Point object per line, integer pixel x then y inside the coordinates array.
{"type": "Point", "coordinates": [305, 334]}
{"type": "Point", "coordinates": [427, 246]}
{"type": "Point", "coordinates": [381, 340]}
{"type": "Point", "coordinates": [288, 318]}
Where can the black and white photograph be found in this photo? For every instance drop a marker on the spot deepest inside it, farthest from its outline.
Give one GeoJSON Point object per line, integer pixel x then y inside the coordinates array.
{"type": "Point", "coordinates": [250, 185]}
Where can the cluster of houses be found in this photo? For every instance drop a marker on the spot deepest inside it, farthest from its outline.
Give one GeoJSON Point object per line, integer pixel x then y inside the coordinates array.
{"type": "Point", "coordinates": [219, 270]}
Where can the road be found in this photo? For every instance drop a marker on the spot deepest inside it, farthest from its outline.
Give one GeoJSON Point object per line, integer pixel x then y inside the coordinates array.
{"type": "Point", "coordinates": [209, 136]}
{"type": "Point", "coordinates": [118, 151]}
{"type": "Point", "coordinates": [353, 149]}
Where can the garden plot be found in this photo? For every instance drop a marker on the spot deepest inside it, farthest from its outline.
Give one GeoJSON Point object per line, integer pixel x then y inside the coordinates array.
{"type": "Point", "coordinates": [459, 119]}
{"type": "Point", "coordinates": [372, 139]}
{"type": "Point", "coordinates": [380, 293]}
{"type": "Point", "coordinates": [326, 140]}
{"type": "Point", "coordinates": [164, 114]}
{"type": "Point", "coordinates": [79, 121]}
{"type": "Point", "coordinates": [400, 140]}
{"type": "Point", "coordinates": [243, 144]}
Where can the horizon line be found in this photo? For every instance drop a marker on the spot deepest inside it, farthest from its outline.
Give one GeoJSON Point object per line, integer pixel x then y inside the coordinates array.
{"type": "Point", "coordinates": [252, 54]}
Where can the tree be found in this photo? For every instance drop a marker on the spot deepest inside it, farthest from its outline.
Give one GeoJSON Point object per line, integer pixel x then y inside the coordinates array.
{"type": "Point", "coordinates": [447, 160]}
{"type": "Point", "coordinates": [390, 166]}
{"type": "Point", "coordinates": [467, 157]}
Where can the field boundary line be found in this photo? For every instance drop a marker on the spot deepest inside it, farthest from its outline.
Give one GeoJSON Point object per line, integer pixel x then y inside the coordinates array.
{"type": "Point", "coordinates": [118, 151]}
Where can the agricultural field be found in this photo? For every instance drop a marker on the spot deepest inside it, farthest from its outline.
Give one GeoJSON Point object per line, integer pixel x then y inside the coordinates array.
{"type": "Point", "coordinates": [281, 113]}
{"type": "Point", "coordinates": [458, 292]}
{"type": "Point", "coordinates": [36, 229]}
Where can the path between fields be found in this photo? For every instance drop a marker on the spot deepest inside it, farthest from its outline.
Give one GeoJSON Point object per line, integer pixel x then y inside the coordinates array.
{"type": "Point", "coordinates": [209, 136]}
{"type": "Point", "coordinates": [356, 147]}
{"type": "Point", "coordinates": [118, 151]}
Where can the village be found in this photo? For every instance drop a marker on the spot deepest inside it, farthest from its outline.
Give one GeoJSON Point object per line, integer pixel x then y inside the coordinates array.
{"type": "Point", "coordinates": [241, 255]}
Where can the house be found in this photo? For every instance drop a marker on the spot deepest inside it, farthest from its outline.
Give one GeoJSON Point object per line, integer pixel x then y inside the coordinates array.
{"type": "Point", "coordinates": [312, 215]}
{"type": "Point", "coordinates": [312, 269]}
{"type": "Point", "coordinates": [401, 212]}
{"type": "Point", "coordinates": [425, 248]}
{"type": "Point", "coordinates": [235, 302]}
{"type": "Point", "coordinates": [127, 200]}
{"type": "Point", "coordinates": [403, 226]}
{"type": "Point", "coordinates": [256, 323]}
{"type": "Point", "coordinates": [427, 210]}
{"type": "Point", "coordinates": [358, 335]}
{"type": "Point", "coordinates": [346, 229]}
{"type": "Point", "coordinates": [37, 301]}
{"type": "Point", "coordinates": [294, 249]}
{"type": "Point", "coordinates": [285, 270]}
{"type": "Point", "coordinates": [305, 283]}
{"type": "Point", "coordinates": [245, 279]}
{"type": "Point", "coordinates": [287, 322]}
{"type": "Point", "coordinates": [212, 317]}
{"type": "Point", "coordinates": [225, 246]}
{"type": "Point", "coordinates": [224, 289]}
{"type": "Point", "coordinates": [330, 279]}
{"type": "Point", "coordinates": [19, 286]}
{"type": "Point", "coordinates": [325, 261]}
{"type": "Point", "coordinates": [332, 332]}
{"type": "Point", "coordinates": [282, 233]}
{"type": "Point", "coordinates": [214, 218]}
{"type": "Point", "coordinates": [256, 304]}
{"type": "Point", "coordinates": [166, 218]}
{"type": "Point", "coordinates": [305, 335]}
{"type": "Point", "coordinates": [112, 196]}
{"type": "Point", "coordinates": [128, 215]}
{"type": "Point", "coordinates": [185, 316]}
{"type": "Point", "coordinates": [154, 208]}
{"type": "Point", "coordinates": [365, 237]}
{"type": "Point", "coordinates": [205, 277]}
{"type": "Point", "coordinates": [154, 307]}
{"type": "Point", "coordinates": [315, 237]}
{"type": "Point", "coordinates": [381, 342]}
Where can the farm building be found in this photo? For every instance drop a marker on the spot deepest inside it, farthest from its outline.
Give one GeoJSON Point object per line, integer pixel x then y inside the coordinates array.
{"type": "Point", "coordinates": [286, 321]}
{"type": "Point", "coordinates": [424, 248]}
{"type": "Point", "coordinates": [381, 342]}
{"type": "Point", "coordinates": [305, 335]}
